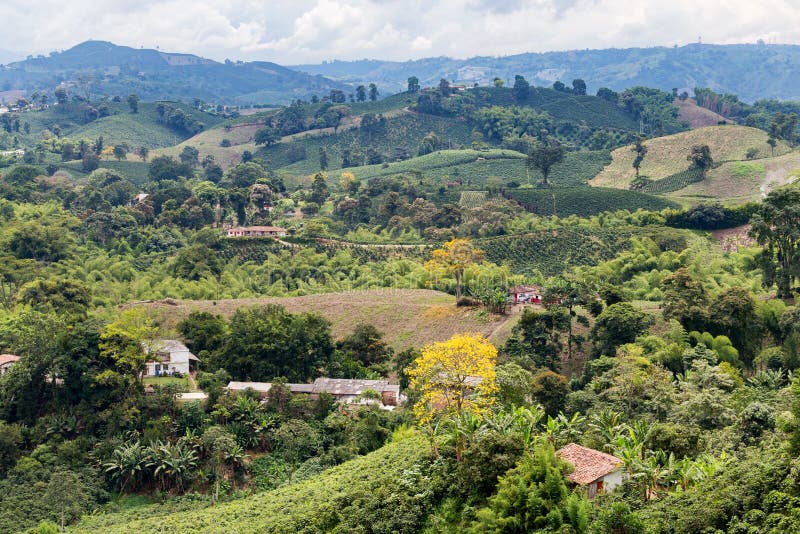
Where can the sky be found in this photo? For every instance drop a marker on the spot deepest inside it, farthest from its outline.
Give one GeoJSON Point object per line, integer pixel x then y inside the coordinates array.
{"type": "Point", "coordinates": [311, 31]}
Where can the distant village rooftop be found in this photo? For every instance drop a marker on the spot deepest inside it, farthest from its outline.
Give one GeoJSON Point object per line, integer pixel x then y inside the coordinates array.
{"type": "Point", "coordinates": [256, 231]}
{"type": "Point", "coordinates": [340, 388]}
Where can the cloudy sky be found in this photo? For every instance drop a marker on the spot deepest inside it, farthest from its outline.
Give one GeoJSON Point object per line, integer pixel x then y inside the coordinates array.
{"type": "Point", "coordinates": [299, 31]}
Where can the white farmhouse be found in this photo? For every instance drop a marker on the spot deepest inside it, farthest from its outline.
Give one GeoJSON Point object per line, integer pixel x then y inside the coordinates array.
{"type": "Point", "coordinates": [170, 356]}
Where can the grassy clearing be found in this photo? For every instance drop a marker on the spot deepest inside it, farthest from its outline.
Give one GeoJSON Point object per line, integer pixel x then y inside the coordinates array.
{"type": "Point", "coordinates": [667, 155]}
{"type": "Point", "coordinates": [407, 317]}
{"type": "Point", "coordinates": [743, 181]}
{"type": "Point", "coordinates": [162, 381]}
{"type": "Point", "coordinates": [135, 171]}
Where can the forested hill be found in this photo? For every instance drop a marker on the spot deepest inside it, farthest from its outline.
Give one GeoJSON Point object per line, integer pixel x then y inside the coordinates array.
{"type": "Point", "coordinates": [750, 71]}
{"type": "Point", "coordinates": [101, 67]}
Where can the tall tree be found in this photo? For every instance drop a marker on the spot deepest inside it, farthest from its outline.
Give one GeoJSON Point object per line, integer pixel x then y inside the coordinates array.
{"type": "Point", "coordinates": [454, 257]}
{"type": "Point", "coordinates": [133, 102]}
{"type": "Point", "coordinates": [521, 88]}
{"type": "Point", "coordinates": [454, 376]}
{"type": "Point", "coordinates": [543, 157]}
{"type": "Point", "coordinates": [776, 227]}
{"type": "Point", "coordinates": [373, 92]}
{"type": "Point", "coordinates": [361, 93]}
{"type": "Point", "coordinates": [641, 151]}
{"type": "Point", "coordinates": [413, 84]}
{"type": "Point", "coordinates": [578, 86]}
{"type": "Point", "coordinates": [700, 156]}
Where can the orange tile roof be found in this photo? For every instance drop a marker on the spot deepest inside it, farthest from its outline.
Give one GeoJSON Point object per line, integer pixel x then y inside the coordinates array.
{"type": "Point", "coordinates": [589, 463]}
{"type": "Point", "coordinates": [8, 358]}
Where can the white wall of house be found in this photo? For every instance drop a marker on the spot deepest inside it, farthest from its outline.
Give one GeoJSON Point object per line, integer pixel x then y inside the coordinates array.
{"type": "Point", "coordinates": [610, 481]}
{"type": "Point", "coordinates": [613, 479]}
{"type": "Point", "coordinates": [177, 362]}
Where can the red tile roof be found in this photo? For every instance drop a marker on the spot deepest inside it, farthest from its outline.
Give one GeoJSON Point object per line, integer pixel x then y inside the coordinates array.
{"type": "Point", "coordinates": [8, 358]}
{"type": "Point", "coordinates": [589, 463]}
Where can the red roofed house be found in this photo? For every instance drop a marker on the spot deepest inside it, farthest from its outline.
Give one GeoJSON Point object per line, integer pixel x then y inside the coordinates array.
{"type": "Point", "coordinates": [599, 471]}
{"type": "Point", "coordinates": [6, 362]}
{"type": "Point", "coordinates": [256, 231]}
{"type": "Point", "coordinates": [522, 294]}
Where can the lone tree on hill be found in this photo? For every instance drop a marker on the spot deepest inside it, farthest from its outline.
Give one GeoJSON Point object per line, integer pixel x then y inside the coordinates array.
{"type": "Point", "coordinates": [543, 157]}
{"type": "Point", "coordinates": [700, 157]}
{"type": "Point", "coordinates": [413, 84]}
{"type": "Point", "coordinates": [133, 102]}
{"type": "Point", "coordinates": [641, 152]}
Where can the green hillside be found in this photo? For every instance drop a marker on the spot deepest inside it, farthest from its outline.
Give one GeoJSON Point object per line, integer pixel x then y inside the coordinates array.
{"type": "Point", "coordinates": [405, 131]}
{"type": "Point", "coordinates": [156, 75]}
{"type": "Point", "coordinates": [667, 155]}
{"type": "Point", "coordinates": [585, 201]}
{"type": "Point", "coordinates": [145, 128]}
{"type": "Point", "coordinates": [340, 499]}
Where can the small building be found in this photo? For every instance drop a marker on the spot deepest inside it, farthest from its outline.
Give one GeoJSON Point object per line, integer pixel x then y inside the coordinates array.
{"type": "Point", "coordinates": [342, 389]}
{"type": "Point", "coordinates": [599, 471]}
{"type": "Point", "coordinates": [171, 357]}
{"type": "Point", "coordinates": [7, 361]}
{"type": "Point", "coordinates": [256, 231]}
{"type": "Point", "coordinates": [525, 294]}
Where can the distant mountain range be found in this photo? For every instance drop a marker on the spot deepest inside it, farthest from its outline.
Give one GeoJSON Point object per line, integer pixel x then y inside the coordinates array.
{"type": "Point", "coordinates": [751, 71]}
{"type": "Point", "coordinates": [101, 68]}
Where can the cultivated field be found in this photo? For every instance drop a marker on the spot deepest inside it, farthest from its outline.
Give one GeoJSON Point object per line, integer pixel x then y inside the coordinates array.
{"type": "Point", "coordinates": [407, 317]}
{"type": "Point", "coordinates": [667, 155]}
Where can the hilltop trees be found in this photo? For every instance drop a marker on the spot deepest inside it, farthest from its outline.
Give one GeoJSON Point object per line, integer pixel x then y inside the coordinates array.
{"type": "Point", "coordinates": [133, 102]}
{"type": "Point", "coordinates": [521, 88]}
{"type": "Point", "coordinates": [543, 157]}
{"type": "Point", "coordinates": [373, 92]}
{"type": "Point", "coordinates": [413, 84]}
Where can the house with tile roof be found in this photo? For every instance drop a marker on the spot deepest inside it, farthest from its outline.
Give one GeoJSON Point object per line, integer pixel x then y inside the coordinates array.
{"type": "Point", "coordinates": [6, 362]}
{"type": "Point", "coordinates": [599, 471]}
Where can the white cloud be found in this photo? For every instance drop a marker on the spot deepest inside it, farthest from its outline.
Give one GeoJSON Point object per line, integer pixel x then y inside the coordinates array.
{"type": "Point", "coordinates": [298, 31]}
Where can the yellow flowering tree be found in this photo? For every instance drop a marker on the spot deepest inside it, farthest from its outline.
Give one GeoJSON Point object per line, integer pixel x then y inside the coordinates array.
{"type": "Point", "coordinates": [454, 258]}
{"type": "Point", "coordinates": [454, 376]}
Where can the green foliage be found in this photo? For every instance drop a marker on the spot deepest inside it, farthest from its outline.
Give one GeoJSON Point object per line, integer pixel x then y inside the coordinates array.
{"type": "Point", "coordinates": [534, 497]}
{"type": "Point", "coordinates": [369, 485]}
{"type": "Point", "coordinates": [585, 201]}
